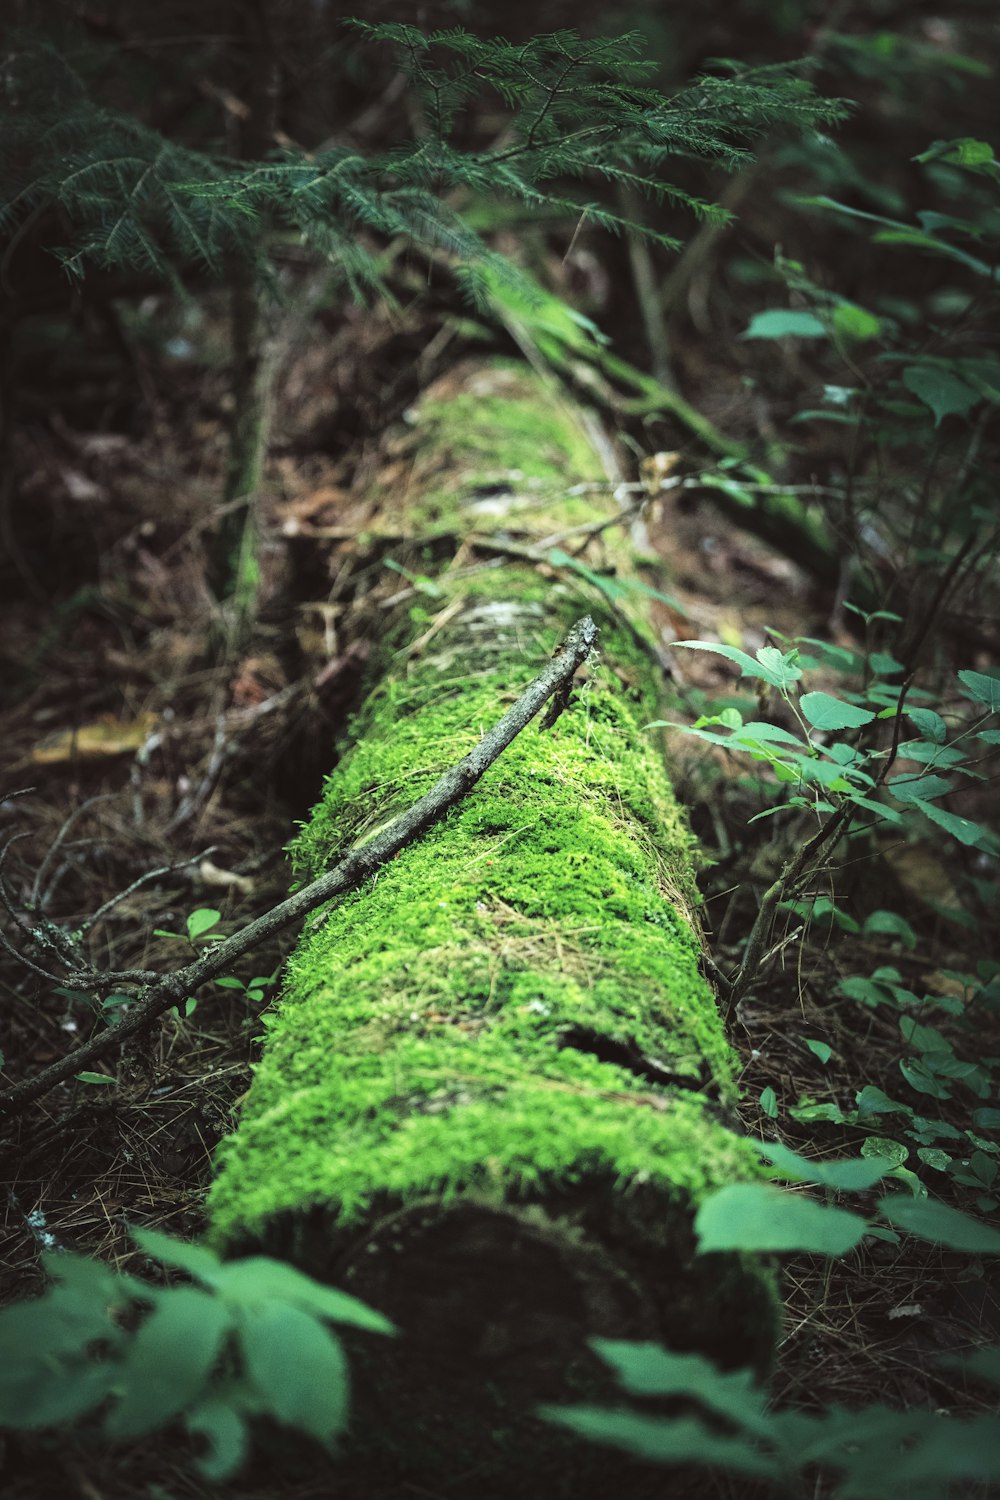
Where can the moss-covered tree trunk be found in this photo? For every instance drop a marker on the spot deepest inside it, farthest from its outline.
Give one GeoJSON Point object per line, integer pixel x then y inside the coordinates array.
{"type": "Point", "coordinates": [496, 1086]}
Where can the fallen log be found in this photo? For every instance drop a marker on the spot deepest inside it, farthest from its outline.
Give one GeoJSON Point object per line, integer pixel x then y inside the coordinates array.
{"type": "Point", "coordinates": [497, 1086]}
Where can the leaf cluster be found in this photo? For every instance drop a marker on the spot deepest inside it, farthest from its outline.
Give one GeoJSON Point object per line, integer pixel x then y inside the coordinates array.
{"type": "Point", "coordinates": [864, 1453]}
{"type": "Point", "coordinates": [248, 1338]}
{"type": "Point", "coordinates": [123, 195]}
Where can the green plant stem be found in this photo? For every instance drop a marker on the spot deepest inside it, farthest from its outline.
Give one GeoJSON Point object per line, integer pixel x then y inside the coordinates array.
{"type": "Point", "coordinates": [346, 875]}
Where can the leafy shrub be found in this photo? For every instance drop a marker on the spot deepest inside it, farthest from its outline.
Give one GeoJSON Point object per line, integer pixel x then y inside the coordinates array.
{"type": "Point", "coordinates": [866, 1453]}
{"type": "Point", "coordinates": [249, 1338]}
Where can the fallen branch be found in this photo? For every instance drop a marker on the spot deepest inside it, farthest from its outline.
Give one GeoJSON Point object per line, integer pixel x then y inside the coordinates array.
{"type": "Point", "coordinates": [347, 875]}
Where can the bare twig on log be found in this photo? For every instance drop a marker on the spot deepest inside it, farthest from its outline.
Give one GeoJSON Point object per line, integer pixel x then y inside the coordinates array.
{"type": "Point", "coordinates": [349, 873]}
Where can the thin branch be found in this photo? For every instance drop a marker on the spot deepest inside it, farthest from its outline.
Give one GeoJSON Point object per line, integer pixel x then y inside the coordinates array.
{"type": "Point", "coordinates": [351, 871]}
{"type": "Point", "coordinates": [102, 911]}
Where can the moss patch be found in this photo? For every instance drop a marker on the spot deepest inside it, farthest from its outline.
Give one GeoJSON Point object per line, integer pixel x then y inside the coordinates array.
{"type": "Point", "coordinates": [511, 1014]}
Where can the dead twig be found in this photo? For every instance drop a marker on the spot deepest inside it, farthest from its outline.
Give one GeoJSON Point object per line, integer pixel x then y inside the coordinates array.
{"type": "Point", "coordinates": [347, 875]}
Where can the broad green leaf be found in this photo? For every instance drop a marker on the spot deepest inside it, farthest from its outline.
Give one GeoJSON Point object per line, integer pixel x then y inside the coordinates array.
{"type": "Point", "coordinates": [169, 1360]}
{"type": "Point", "coordinates": [225, 1431]}
{"type": "Point", "coordinates": [929, 723]}
{"type": "Point", "coordinates": [783, 323]}
{"type": "Point", "coordinates": [50, 1394]}
{"type": "Point", "coordinates": [769, 1102]}
{"type": "Point", "coordinates": [782, 666]}
{"type": "Point", "coordinates": [298, 1368]}
{"type": "Point", "coordinates": [647, 1369]}
{"type": "Point", "coordinates": [983, 1363]}
{"type": "Point", "coordinates": [909, 788]}
{"type": "Point", "coordinates": [933, 1157]}
{"type": "Point", "coordinates": [806, 1110]}
{"type": "Point", "coordinates": [822, 1050]}
{"type": "Point", "coordinates": [891, 924]}
{"type": "Point", "coordinates": [922, 1038]}
{"type": "Point", "coordinates": [84, 1284]}
{"type": "Point", "coordinates": [853, 322]}
{"type": "Point", "coordinates": [258, 1279]}
{"type": "Point", "coordinates": [749, 667]}
{"type": "Point", "coordinates": [826, 712]}
{"type": "Point", "coordinates": [964, 829]}
{"type": "Point", "coordinates": [966, 151]}
{"type": "Point", "coordinates": [197, 1260]}
{"type": "Point", "coordinates": [983, 688]}
{"type": "Point", "coordinates": [757, 732]}
{"type": "Point", "coordinates": [749, 1216]}
{"type": "Point", "coordinates": [850, 1175]}
{"type": "Point", "coordinates": [871, 1102]}
{"type": "Point", "coordinates": [668, 1440]}
{"type": "Point", "coordinates": [857, 987]}
{"type": "Point", "coordinates": [931, 754]}
{"type": "Point", "coordinates": [920, 1077]}
{"type": "Point", "coordinates": [95, 1078]}
{"type": "Point", "coordinates": [202, 920]}
{"type": "Point", "coordinates": [880, 1148]}
{"type": "Point", "coordinates": [939, 389]}
{"type": "Point", "coordinates": [928, 1219]}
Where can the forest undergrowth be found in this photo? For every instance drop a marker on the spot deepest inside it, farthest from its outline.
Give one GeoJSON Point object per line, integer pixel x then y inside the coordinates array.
{"type": "Point", "coordinates": [129, 748]}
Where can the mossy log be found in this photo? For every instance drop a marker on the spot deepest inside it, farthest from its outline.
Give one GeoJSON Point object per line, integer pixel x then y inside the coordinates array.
{"type": "Point", "coordinates": [497, 1086]}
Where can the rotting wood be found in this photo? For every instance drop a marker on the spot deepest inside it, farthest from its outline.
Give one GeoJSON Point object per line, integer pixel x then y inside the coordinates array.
{"type": "Point", "coordinates": [497, 1086]}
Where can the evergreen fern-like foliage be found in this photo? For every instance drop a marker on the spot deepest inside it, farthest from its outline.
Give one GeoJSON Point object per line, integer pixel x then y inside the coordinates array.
{"type": "Point", "coordinates": [580, 114]}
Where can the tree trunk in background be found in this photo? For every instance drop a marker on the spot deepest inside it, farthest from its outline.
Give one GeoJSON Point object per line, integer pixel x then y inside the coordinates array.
{"type": "Point", "coordinates": [235, 569]}
{"type": "Point", "coordinates": [497, 1086]}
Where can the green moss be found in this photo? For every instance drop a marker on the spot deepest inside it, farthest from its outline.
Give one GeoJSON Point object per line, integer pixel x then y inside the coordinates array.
{"type": "Point", "coordinates": [514, 1005]}
{"type": "Point", "coordinates": [438, 1031]}
{"type": "Point", "coordinates": [500, 452]}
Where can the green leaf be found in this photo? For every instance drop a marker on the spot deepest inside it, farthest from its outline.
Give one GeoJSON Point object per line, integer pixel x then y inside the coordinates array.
{"type": "Point", "coordinates": [975, 835]}
{"type": "Point", "coordinates": [225, 1431]}
{"type": "Point", "coordinates": [819, 1049]}
{"type": "Point", "coordinates": [647, 1369]}
{"type": "Point", "coordinates": [966, 151]}
{"type": "Point", "coordinates": [928, 1219]}
{"type": "Point", "coordinates": [981, 687]}
{"type": "Point", "coordinates": [297, 1367]}
{"type": "Point", "coordinates": [663, 1440]}
{"type": "Point", "coordinates": [880, 1148]}
{"type": "Point", "coordinates": [748, 1216]}
{"type": "Point", "coordinates": [943, 392]}
{"type": "Point", "coordinates": [169, 1360]}
{"type": "Point", "coordinates": [782, 323]}
{"type": "Point", "coordinates": [201, 921]}
{"type": "Point", "coordinates": [891, 924]}
{"type": "Point", "coordinates": [749, 667]}
{"type": "Point", "coordinates": [920, 1077]}
{"type": "Point", "coordinates": [782, 667]}
{"type": "Point", "coordinates": [909, 788]}
{"type": "Point", "coordinates": [229, 982]}
{"type": "Point", "coordinates": [95, 1078]}
{"type": "Point", "coordinates": [929, 723]}
{"type": "Point", "coordinates": [872, 1102]}
{"type": "Point", "coordinates": [198, 1261]}
{"type": "Point", "coordinates": [933, 1157]}
{"type": "Point", "coordinates": [849, 1175]}
{"type": "Point", "coordinates": [49, 1394]}
{"type": "Point", "coordinates": [853, 322]}
{"type": "Point", "coordinates": [826, 712]}
{"type": "Point", "coordinates": [259, 1279]}
{"type": "Point", "coordinates": [769, 1102]}
{"type": "Point", "coordinates": [983, 1363]}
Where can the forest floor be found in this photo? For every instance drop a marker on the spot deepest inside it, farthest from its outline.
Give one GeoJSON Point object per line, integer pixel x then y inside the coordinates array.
{"type": "Point", "coordinates": [138, 752]}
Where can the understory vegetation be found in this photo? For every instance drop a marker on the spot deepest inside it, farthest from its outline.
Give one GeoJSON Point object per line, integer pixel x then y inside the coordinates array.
{"type": "Point", "coordinates": [248, 253]}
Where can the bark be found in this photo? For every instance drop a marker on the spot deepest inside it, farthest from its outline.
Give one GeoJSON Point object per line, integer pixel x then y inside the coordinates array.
{"type": "Point", "coordinates": [235, 570]}
{"type": "Point", "coordinates": [497, 1086]}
